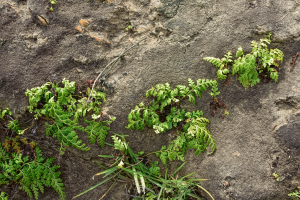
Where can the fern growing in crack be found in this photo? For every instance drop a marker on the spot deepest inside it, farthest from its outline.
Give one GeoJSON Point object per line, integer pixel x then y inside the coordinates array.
{"type": "Point", "coordinates": [59, 105]}
{"type": "Point", "coordinates": [190, 126]}
{"type": "Point", "coordinates": [191, 134]}
{"type": "Point", "coordinates": [32, 175]}
{"type": "Point", "coordinates": [259, 64]}
{"type": "Point", "coordinates": [221, 64]}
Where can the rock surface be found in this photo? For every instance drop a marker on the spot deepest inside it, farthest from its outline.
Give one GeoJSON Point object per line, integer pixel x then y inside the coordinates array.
{"type": "Point", "coordinates": [263, 123]}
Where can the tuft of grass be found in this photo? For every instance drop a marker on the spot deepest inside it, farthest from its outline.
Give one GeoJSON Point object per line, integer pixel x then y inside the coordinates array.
{"type": "Point", "coordinates": [131, 168]}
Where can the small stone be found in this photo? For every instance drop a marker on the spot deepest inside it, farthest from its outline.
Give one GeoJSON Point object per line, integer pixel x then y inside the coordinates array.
{"type": "Point", "coordinates": [81, 59]}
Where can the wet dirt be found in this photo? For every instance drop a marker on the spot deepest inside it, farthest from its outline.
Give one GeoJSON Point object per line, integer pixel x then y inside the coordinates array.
{"type": "Point", "coordinates": [37, 46]}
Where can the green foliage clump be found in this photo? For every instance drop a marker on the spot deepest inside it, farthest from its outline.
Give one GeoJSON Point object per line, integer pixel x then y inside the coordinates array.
{"type": "Point", "coordinates": [63, 109]}
{"type": "Point", "coordinates": [53, 2]}
{"type": "Point", "coordinates": [14, 125]}
{"type": "Point", "coordinates": [261, 62]}
{"type": "Point", "coordinates": [4, 112]}
{"type": "Point", "coordinates": [295, 195]}
{"type": "Point", "coordinates": [3, 196]}
{"type": "Point", "coordinates": [32, 175]}
{"type": "Point", "coordinates": [191, 127]}
{"type": "Point", "coordinates": [193, 135]}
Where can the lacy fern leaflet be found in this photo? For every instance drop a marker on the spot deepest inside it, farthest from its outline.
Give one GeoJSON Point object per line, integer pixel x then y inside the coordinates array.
{"type": "Point", "coordinates": [33, 175]}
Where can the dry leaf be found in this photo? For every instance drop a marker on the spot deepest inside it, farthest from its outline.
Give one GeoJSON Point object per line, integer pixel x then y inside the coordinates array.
{"type": "Point", "coordinates": [78, 29]}
{"type": "Point", "coordinates": [43, 20]}
{"type": "Point", "coordinates": [107, 41]}
{"type": "Point", "coordinates": [98, 39]}
{"type": "Point", "coordinates": [83, 22]}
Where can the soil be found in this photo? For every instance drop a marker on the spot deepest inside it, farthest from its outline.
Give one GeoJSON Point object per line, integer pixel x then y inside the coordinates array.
{"type": "Point", "coordinates": [37, 46]}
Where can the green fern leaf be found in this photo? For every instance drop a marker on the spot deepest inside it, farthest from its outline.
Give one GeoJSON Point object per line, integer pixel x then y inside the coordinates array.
{"type": "Point", "coordinates": [215, 61]}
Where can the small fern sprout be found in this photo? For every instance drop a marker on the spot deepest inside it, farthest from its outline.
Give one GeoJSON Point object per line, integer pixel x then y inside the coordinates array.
{"type": "Point", "coordinates": [259, 63]}
{"type": "Point", "coordinates": [222, 64]}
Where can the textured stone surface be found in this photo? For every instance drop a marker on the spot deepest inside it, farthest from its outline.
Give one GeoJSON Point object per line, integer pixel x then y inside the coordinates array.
{"type": "Point", "coordinates": [179, 34]}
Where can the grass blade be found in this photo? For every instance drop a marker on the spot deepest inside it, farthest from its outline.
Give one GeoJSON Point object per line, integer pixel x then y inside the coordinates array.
{"type": "Point", "coordinates": [111, 170]}
{"type": "Point", "coordinates": [199, 180]}
{"type": "Point", "coordinates": [187, 176]}
{"type": "Point", "coordinates": [117, 161]}
{"type": "Point", "coordinates": [193, 195]}
{"type": "Point", "coordinates": [119, 176]}
{"type": "Point", "coordinates": [93, 187]}
{"type": "Point", "coordinates": [139, 173]}
{"type": "Point", "coordinates": [206, 192]}
{"type": "Point", "coordinates": [173, 175]}
{"type": "Point", "coordinates": [99, 164]}
{"type": "Point", "coordinates": [136, 180]}
{"type": "Point", "coordinates": [106, 156]}
{"type": "Point", "coordinates": [161, 189]}
{"type": "Point", "coordinates": [143, 183]}
{"type": "Point", "coordinates": [109, 144]}
{"type": "Point", "coordinates": [108, 190]}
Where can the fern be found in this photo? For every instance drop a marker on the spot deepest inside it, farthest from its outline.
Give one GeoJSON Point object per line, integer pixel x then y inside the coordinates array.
{"type": "Point", "coordinates": [261, 60]}
{"type": "Point", "coordinates": [143, 115]}
{"type": "Point", "coordinates": [295, 195]}
{"type": "Point", "coordinates": [14, 125]}
{"type": "Point", "coordinates": [119, 144]}
{"type": "Point", "coordinates": [154, 169]}
{"type": "Point", "coordinates": [97, 131]}
{"type": "Point", "coordinates": [64, 111]}
{"type": "Point", "coordinates": [190, 126]}
{"type": "Point", "coordinates": [3, 196]}
{"type": "Point", "coordinates": [33, 175]}
{"type": "Point", "coordinates": [4, 112]}
{"type": "Point", "coordinates": [194, 135]}
{"type": "Point", "coordinates": [221, 64]}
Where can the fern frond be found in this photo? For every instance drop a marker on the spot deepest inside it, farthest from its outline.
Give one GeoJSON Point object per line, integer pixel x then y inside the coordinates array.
{"type": "Point", "coordinates": [97, 131]}
{"type": "Point", "coordinates": [239, 52]}
{"type": "Point", "coordinates": [221, 64]}
{"type": "Point", "coordinates": [202, 137]}
{"type": "Point", "coordinates": [119, 144]}
{"type": "Point", "coordinates": [32, 175]}
{"type": "Point", "coordinates": [4, 112]}
{"type": "Point", "coordinates": [220, 74]}
{"type": "Point", "coordinates": [215, 61]}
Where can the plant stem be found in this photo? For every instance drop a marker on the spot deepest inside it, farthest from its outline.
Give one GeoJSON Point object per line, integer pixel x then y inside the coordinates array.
{"type": "Point", "coordinates": [108, 189]}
